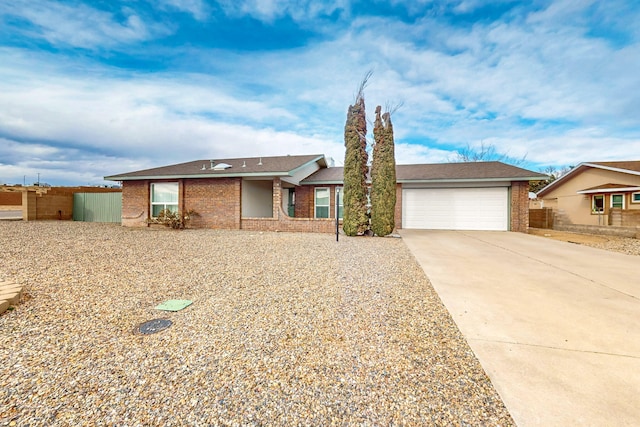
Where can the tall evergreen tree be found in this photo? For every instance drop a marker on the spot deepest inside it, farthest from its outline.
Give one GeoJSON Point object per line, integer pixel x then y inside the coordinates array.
{"type": "Point", "coordinates": [355, 219]}
{"type": "Point", "coordinates": [383, 176]}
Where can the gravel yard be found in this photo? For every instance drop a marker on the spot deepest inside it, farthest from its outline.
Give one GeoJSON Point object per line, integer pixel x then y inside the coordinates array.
{"type": "Point", "coordinates": [284, 329]}
{"type": "Point", "coordinates": [624, 245]}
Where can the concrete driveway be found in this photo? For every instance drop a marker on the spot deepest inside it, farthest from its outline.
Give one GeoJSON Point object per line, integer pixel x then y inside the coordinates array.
{"type": "Point", "coordinates": [555, 325]}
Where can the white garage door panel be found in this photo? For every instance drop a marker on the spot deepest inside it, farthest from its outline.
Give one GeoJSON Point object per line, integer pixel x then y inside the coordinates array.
{"type": "Point", "coordinates": [456, 208]}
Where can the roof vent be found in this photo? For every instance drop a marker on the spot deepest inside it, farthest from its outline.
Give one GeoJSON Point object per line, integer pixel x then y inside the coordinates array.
{"type": "Point", "coordinates": [244, 164]}
{"type": "Point", "coordinates": [204, 168]}
{"type": "Point", "coordinates": [221, 166]}
{"type": "Point", "coordinates": [260, 162]}
{"type": "Point", "coordinates": [212, 163]}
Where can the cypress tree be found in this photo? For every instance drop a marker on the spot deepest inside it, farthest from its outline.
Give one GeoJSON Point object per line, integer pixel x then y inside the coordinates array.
{"type": "Point", "coordinates": [383, 176]}
{"type": "Point", "coordinates": [355, 219]}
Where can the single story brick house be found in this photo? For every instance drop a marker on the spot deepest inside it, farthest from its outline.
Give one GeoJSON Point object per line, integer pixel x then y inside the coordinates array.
{"type": "Point", "coordinates": [596, 194]}
{"type": "Point", "coordinates": [300, 193]}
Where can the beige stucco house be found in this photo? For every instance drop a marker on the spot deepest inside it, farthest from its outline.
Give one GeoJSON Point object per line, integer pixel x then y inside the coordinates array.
{"type": "Point", "coordinates": [596, 193]}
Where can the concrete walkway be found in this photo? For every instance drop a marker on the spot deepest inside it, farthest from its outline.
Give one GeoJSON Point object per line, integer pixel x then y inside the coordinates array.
{"type": "Point", "coordinates": [555, 325]}
{"type": "Point", "coordinates": [10, 215]}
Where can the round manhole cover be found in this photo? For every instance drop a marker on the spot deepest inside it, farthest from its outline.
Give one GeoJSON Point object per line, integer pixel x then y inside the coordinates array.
{"type": "Point", "coordinates": [153, 326]}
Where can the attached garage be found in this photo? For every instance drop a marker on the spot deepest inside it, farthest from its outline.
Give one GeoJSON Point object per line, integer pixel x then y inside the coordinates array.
{"type": "Point", "coordinates": [484, 208]}
{"type": "Point", "coordinates": [450, 196]}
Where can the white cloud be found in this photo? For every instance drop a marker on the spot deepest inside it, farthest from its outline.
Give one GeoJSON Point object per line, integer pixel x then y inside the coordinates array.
{"type": "Point", "coordinates": [531, 86]}
{"type": "Point", "coordinates": [198, 8]}
{"type": "Point", "coordinates": [82, 26]}
{"type": "Point", "coordinates": [409, 154]}
{"type": "Point", "coordinates": [270, 10]}
{"type": "Point", "coordinates": [152, 120]}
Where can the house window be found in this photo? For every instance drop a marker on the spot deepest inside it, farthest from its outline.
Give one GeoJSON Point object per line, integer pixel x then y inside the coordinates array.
{"type": "Point", "coordinates": [322, 202]}
{"type": "Point", "coordinates": [597, 204]}
{"type": "Point", "coordinates": [635, 198]}
{"type": "Point", "coordinates": [340, 202]}
{"type": "Point", "coordinates": [164, 195]}
{"type": "Point", "coordinates": [617, 201]}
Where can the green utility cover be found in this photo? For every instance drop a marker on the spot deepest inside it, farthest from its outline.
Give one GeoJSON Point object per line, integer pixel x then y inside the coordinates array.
{"type": "Point", "coordinates": [174, 305]}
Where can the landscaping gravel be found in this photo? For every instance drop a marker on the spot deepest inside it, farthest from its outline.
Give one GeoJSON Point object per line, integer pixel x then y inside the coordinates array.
{"type": "Point", "coordinates": [624, 245]}
{"type": "Point", "coordinates": [284, 329]}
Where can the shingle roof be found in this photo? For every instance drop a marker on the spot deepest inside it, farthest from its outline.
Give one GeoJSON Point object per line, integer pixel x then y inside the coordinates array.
{"type": "Point", "coordinates": [463, 171]}
{"type": "Point", "coordinates": [325, 176]}
{"type": "Point", "coordinates": [631, 165]}
{"type": "Point", "coordinates": [438, 172]}
{"type": "Point", "coordinates": [249, 166]}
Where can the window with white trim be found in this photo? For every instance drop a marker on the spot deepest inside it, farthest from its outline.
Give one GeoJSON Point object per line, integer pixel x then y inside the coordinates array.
{"type": "Point", "coordinates": [340, 202]}
{"type": "Point", "coordinates": [617, 201]}
{"type": "Point", "coordinates": [635, 197]}
{"type": "Point", "coordinates": [597, 204]}
{"type": "Point", "coordinates": [164, 195]}
{"type": "Point", "coordinates": [322, 199]}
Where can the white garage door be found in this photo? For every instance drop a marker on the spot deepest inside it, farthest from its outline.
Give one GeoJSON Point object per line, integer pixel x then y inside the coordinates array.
{"type": "Point", "coordinates": [456, 208]}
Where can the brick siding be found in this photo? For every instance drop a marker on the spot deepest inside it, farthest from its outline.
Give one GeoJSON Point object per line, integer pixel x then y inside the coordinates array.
{"type": "Point", "coordinates": [217, 202]}
{"type": "Point", "coordinates": [520, 206]}
{"type": "Point", "coordinates": [135, 203]}
{"type": "Point", "coordinates": [218, 205]}
{"type": "Point", "coordinates": [304, 201]}
{"type": "Point", "coordinates": [304, 208]}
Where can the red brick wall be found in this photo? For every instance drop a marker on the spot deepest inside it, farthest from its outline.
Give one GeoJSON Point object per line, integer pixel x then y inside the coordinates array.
{"type": "Point", "coordinates": [135, 203]}
{"type": "Point", "coordinates": [305, 203]}
{"type": "Point", "coordinates": [520, 206]}
{"type": "Point", "coordinates": [303, 222]}
{"type": "Point", "coordinates": [216, 201]}
{"type": "Point", "coordinates": [305, 225]}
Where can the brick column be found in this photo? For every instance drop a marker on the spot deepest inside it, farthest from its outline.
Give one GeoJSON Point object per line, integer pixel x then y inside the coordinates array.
{"type": "Point", "coordinates": [520, 206]}
{"type": "Point", "coordinates": [29, 208]}
{"type": "Point", "coordinates": [277, 197]}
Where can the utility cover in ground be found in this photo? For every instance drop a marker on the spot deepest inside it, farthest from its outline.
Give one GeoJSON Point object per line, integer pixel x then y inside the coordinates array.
{"type": "Point", "coordinates": [174, 305]}
{"type": "Point", "coordinates": [155, 325]}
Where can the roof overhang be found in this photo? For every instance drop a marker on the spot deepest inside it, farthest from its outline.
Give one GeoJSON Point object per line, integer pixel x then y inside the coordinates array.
{"type": "Point", "coordinates": [611, 168]}
{"type": "Point", "coordinates": [449, 180]}
{"type": "Point", "coordinates": [227, 172]}
{"type": "Point", "coordinates": [217, 175]}
{"type": "Point", "coordinates": [609, 190]}
{"type": "Point", "coordinates": [433, 181]}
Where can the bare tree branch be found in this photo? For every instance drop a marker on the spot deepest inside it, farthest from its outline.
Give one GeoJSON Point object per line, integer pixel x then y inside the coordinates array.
{"type": "Point", "coordinates": [485, 153]}
{"type": "Point", "coordinates": [363, 85]}
{"type": "Point", "coordinates": [392, 108]}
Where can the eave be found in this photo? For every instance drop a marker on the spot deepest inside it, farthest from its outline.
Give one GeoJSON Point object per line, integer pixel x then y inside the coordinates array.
{"type": "Point", "coordinates": [217, 175]}
{"type": "Point", "coordinates": [609, 190]}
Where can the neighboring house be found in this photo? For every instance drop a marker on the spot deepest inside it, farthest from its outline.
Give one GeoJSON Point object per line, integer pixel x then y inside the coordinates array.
{"type": "Point", "coordinates": [300, 193]}
{"type": "Point", "coordinates": [596, 193]}
{"type": "Point", "coordinates": [47, 203]}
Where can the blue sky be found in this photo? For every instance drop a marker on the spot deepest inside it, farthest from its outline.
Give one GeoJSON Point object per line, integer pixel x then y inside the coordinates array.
{"type": "Point", "coordinates": [95, 88]}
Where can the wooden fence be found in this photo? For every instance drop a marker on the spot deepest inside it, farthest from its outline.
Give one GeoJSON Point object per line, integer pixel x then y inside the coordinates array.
{"type": "Point", "coordinates": [541, 218]}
